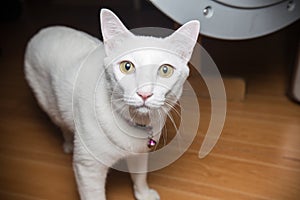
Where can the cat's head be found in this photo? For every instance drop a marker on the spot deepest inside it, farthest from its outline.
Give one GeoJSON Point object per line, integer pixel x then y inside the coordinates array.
{"type": "Point", "coordinates": [146, 73]}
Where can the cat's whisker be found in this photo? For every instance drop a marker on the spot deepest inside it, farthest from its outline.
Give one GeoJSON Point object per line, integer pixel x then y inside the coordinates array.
{"type": "Point", "coordinates": [176, 104]}
{"type": "Point", "coordinates": [172, 120]}
{"type": "Point", "coordinates": [116, 95]}
{"type": "Point", "coordinates": [186, 89]}
{"type": "Point", "coordinates": [173, 108]}
{"type": "Point", "coordinates": [176, 129]}
{"type": "Point", "coordinates": [134, 115]}
{"type": "Point", "coordinates": [152, 112]}
{"type": "Point", "coordinates": [125, 110]}
{"type": "Point", "coordinates": [173, 103]}
{"type": "Point", "coordinates": [117, 103]}
{"type": "Point", "coordinates": [120, 110]}
{"type": "Point", "coordinates": [117, 100]}
{"type": "Point", "coordinates": [174, 124]}
{"type": "Point", "coordinates": [164, 131]}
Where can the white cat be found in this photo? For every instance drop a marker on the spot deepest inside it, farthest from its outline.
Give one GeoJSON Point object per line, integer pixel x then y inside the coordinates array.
{"type": "Point", "coordinates": [143, 79]}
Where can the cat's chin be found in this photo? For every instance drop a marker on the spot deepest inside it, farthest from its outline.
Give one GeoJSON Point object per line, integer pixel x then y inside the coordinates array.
{"type": "Point", "coordinates": [139, 115]}
{"type": "Point", "coordinates": [140, 110]}
{"type": "Point", "coordinates": [143, 110]}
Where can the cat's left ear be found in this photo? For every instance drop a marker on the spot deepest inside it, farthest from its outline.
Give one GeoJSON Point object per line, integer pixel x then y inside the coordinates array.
{"type": "Point", "coordinates": [184, 39]}
{"type": "Point", "coordinates": [113, 30]}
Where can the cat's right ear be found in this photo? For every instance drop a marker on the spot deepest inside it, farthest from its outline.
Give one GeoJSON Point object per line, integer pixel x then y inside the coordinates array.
{"type": "Point", "coordinates": [113, 30]}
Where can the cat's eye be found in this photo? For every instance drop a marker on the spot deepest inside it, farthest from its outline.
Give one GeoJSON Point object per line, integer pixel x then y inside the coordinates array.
{"type": "Point", "coordinates": [127, 67]}
{"type": "Point", "coordinates": [166, 71]}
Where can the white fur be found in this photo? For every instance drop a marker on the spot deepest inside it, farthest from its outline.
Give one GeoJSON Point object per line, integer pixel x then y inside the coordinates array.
{"type": "Point", "coordinates": [54, 56]}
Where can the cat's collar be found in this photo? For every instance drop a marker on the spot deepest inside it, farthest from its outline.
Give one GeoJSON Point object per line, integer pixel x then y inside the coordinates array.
{"type": "Point", "coordinates": [142, 126]}
{"type": "Point", "coordinates": [151, 142]}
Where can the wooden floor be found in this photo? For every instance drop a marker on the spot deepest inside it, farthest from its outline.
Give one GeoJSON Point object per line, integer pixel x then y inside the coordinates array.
{"type": "Point", "coordinates": [257, 156]}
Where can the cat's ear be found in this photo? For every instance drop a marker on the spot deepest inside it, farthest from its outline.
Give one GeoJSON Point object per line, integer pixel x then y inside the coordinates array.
{"type": "Point", "coordinates": [113, 30]}
{"type": "Point", "coordinates": [184, 39]}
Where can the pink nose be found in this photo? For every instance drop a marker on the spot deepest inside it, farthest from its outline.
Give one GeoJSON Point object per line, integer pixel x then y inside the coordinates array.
{"type": "Point", "coordinates": [145, 95]}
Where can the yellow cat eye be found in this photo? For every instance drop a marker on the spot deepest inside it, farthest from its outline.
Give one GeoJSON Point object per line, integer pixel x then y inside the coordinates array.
{"type": "Point", "coordinates": [127, 67]}
{"type": "Point", "coordinates": [165, 71]}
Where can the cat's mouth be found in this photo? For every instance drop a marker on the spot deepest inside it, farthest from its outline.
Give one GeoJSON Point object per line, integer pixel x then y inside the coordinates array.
{"type": "Point", "coordinates": [133, 110]}
{"type": "Point", "coordinates": [143, 109]}
{"type": "Point", "coordinates": [140, 114]}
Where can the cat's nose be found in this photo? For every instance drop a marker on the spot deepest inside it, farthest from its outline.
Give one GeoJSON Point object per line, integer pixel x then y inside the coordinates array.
{"type": "Point", "coordinates": [145, 95]}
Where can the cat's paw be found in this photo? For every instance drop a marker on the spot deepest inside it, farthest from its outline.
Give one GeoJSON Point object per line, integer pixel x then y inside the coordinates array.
{"type": "Point", "coordinates": [148, 195]}
{"type": "Point", "coordinates": [68, 147]}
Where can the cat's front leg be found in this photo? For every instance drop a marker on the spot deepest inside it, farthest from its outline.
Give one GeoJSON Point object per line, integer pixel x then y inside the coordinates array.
{"type": "Point", "coordinates": [142, 191]}
{"type": "Point", "coordinates": [90, 174]}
